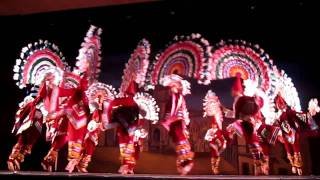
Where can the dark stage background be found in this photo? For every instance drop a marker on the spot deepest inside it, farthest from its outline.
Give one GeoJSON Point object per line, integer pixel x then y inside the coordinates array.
{"type": "Point", "coordinates": [288, 31]}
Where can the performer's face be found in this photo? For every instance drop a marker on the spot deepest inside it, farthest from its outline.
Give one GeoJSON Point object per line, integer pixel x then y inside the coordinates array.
{"type": "Point", "coordinates": [214, 126]}
{"type": "Point", "coordinates": [280, 102]}
{"type": "Point", "coordinates": [313, 112]}
{"type": "Point", "coordinates": [235, 93]}
{"type": "Point", "coordinates": [84, 65]}
{"type": "Point", "coordinates": [99, 99]}
{"type": "Point", "coordinates": [176, 88]}
{"type": "Point", "coordinates": [49, 80]}
{"type": "Point", "coordinates": [280, 106]}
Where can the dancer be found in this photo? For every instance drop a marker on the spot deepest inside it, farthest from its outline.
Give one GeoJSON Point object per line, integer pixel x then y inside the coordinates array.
{"type": "Point", "coordinates": [267, 135]}
{"type": "Point", "coordinates": [237, 91]}
{"type": "Point", "coordinates": [177, 119]}
{"type": "Point", "coordinates": [40, 65]}
{"type": "Point", "coordinates": [100, 95]}
{"type": "Point", "coordinates": [291, 123]}
{"type": "Point", "coordinates": [29, 118]}
{"type": "Point", "coordinates": [124, 111]}
{"type": "Point", "coordinates": [246, 109]}
{"type": "Point", "coordinates": [76, 108]}
{"type": "Point", "coordinates": [217, 142]}
{"type": "Point", "coordinates": [216, 137]}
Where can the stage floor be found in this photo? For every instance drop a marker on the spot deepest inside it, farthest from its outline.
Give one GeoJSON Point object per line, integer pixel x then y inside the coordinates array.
{"type": "Point", "coordinates": [64, 175]}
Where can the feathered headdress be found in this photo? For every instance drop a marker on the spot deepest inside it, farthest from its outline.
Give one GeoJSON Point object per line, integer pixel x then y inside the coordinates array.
{"type": "Point", "coordinates": [136, 68]}
{"type": "Point", "coordinates": [186, 56]}
{"type": "Point", "coordinates": [101, 90]}
{"type": "Point", "coordinates": [149, 105]}
{"type": "Point", "coordinates": [70, 80]}
{"type": "Point", "coordinates": [56, 72]}
{"type": "Point", "coordinates": [233, 57]}
{"type": "Point", "coordinates": [34, 59]}
{"type": "Point", "coordinates": [89, 59]}
{"type": "Point", "coordinates": [171, 79]}
{"type": "Point", "coordinates": [212, 107]}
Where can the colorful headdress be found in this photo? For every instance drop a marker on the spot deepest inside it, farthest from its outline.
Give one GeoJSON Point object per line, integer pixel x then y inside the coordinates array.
{"type": "Point", "coordinates": [102, 91]}
{"type": "Point", "coordinates": [136, 68]}
{"type": "Point", "coordinates": [237, 57]}
{"type": "Point", "coordinates": [186, 56]}
{"type": "Point", "coordinates": [89, 54]}
{"type": "Point", "coordinates": [212, 107]}
{"type": "Point", "coordinates": [56, 72]}
{"type": "Point", "coordinates": [35, 58]}
{"type": "Point", "coordinates": [149, 105]}
{"type": "Point", "coordinates": [70, 80]}
{"type": "Point", "coordinates": [171, 79]}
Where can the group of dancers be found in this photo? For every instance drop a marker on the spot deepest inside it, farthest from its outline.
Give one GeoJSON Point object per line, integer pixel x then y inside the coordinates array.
{"type": "Point", "coordinates": [249, 124]}
{"type": "Point", "coordinates": [74, 107]}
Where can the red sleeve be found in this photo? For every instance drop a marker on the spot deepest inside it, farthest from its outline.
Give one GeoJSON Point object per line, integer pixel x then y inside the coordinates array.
{"type": "Point", "coordinates": [41, 94]}
{"type": "Point", "coordinates": [66, 92]}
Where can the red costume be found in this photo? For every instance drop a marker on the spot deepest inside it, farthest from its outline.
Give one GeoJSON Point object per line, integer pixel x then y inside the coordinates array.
{"type": "Point", "coordinates": [70, 119]}
{"type": "Point", "coordinates": [246, 110]}
{"type": "Point", "coordinates": [125, 112]}
{"type": "Point", "coordinates": [99, 96]}
{"type": "Point", "coordinates": [30, 116]}
{"type": "Point", "coordinates": [290, 123]}
{"type": "Point", "coordinates": [28, 131]}
{"type": "Point", "coordinates": [218, 143]}
{"type": "Point", "coordinates": [90, 140]}
{"type": "Point", "coordinates": [73, 115]}
{"type": "Point", "coordinates": [215, 135]}
{"type": "Point", "coordinates": [177, 119]}
{"type": "Point", "coordinates": [267, 135]}
{"type": "Point", "coordinates": [40, 64]}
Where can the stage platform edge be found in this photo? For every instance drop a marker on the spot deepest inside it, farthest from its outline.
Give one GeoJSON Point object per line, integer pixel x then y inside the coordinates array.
{"type": "Point", "coordinates": [64, 175]}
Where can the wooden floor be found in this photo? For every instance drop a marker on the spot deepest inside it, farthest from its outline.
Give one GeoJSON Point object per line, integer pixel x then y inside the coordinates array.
{"type": "Point", "coordinates": [64, 175]}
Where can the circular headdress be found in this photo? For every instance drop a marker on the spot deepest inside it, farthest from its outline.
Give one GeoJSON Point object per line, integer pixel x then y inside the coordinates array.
{"type": "Point", "coordinates": [55, 71]}
{"type": "Point", "coordinates": [136, 67]}
{"type": "Point", "coordinates": [89, 54]}
{"type": "Point", "coordinates": [169, 80]}
{"type": "Point", "coordinates": [148, 104]}
{"type": "Point", "coordinates": [239, 57]}
{"type": "Point", "coordinates": [35, 58]}
{"type": "Point", "coordinates": [185, 56]}
{"type": "Point", "coordinates": [100, 90]}
{"type": "Point", "coordinates": [71, 80]}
